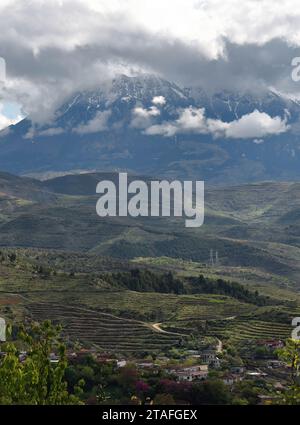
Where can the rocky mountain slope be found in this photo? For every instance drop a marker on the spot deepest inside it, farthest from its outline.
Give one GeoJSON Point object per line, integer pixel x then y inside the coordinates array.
{"type": "Point", "coordinates": [150, 126]}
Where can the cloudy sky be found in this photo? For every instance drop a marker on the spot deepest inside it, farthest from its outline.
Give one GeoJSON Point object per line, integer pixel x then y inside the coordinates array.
{"type": "Point", "coordinates": [55, 47]}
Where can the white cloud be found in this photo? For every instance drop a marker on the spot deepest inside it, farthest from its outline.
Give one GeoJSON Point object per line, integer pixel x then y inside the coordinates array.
{"type": "Point", "coordinates": [142, 117]}
{"type": "Point", "coordinates": [192, 120]}
{"type": "Point", "coordinates": [256, 124]}
{"type": "Point", "coordinates": [166, 129]}
{"type": "Point", "coordinates": [205, 22]}
{"type": "Point", "coordinates": [95, 125]}
{"type": "Point", "coordinates": [30, 133]}
{"type": "Point", "coordinates": [56, 47]}
{"type": "Point", "coordinates": [145, 113]}
{"type": "Point", "coordinates": [55, 131]}
{"type": "Point", "coordinates": [34, 131]}
{"type": "Point", "coordinates": [159, 100]}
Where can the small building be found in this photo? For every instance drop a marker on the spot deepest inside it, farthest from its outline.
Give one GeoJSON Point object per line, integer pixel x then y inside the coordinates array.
{"type": "Point", "coordinates": [237, 369]}
{"type": "Point", "coordinates": [255, 374]}
{"type": "Point", "coordinates": [208, 355]}
{"type": "Point", "coordinates": [272, 344]}
{"type": "Point", "coordinates": [106, 360]}
{"type": "Point", "coordinates": [190, 374]}
{"type": "Point", "coordinates": [215, 363]}
{"type": "Point", "coordinates": [121, 363]}
{"type": "Point", "coordinates": [211, 359]}
{"type": "Point", "coordinates": [231, 378]}
{"type": "Point", "coordinates": [192, 352]}
{"type": "Point", "coordinates": [145, 364]}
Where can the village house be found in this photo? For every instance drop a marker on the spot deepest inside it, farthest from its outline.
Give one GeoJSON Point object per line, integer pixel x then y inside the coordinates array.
{"type": "Point", "coordinates": [193, 356]}
{"type": "Point", "coordinates": [209, 357]}
{"type": "Point", "coordinates": [83, 352]}
{"type": "Point", "coordinates": [231, 378]}
{"type": "Point", "coordinates": [272, 344]}
{"type": "Point", "coordinates": [237, 369]}
{"type": "Point", "coordinates": [192, 373]}
{"type": "Point", "coordinates": [256, 374]}
{"type": "Point", "coordinates": [144, 364]}
{"type": "Point", "coordinates": [106, 361]}
{"type": "Point", "coordinates": [192, 352]}
{"type": "Point", "coordinates": [121, 363]}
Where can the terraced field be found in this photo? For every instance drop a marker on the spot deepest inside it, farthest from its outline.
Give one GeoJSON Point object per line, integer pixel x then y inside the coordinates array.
{"type": "Point", "coordinates": [106, 331]}
{"type": "Point", "coordinates": [243, 329]}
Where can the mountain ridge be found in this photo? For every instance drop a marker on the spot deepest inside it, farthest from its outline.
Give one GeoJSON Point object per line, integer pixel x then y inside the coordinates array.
{"type": "Point", "coordinates": [120, 126]}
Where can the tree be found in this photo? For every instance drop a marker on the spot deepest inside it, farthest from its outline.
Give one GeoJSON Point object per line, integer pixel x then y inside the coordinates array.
{"type": "Point", "coordinates": [246, 390]}
{"type": "Point", "coordinates": [142, 388]}
{"type": "Point", "coordinates": [291, 355]}
{"type": "Point", "coordinates": [35, 381]}
{"type": "Point", "coordinates": [128, 377]}
{"type": "Point", "coordinates": [210, 392]}
{"type": "Point", "coordinates": [164, 400]}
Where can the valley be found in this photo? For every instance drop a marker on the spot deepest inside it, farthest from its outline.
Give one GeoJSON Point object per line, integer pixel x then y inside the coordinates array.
{"type": "Point", "coordinates": [131, 289]}
{"type": "Point", "coordinates": [64, 252]}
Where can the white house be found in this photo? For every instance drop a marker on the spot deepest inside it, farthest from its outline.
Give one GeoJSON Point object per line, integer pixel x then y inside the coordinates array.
{"type": "Point", "coordinates": [193, 373]}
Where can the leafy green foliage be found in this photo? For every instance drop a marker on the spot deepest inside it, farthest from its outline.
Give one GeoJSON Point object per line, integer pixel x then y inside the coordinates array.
{"type": "Point", "coordinates": [291, 355]}
{"type": "Point", "coordinates": [35, 381]}
{"type": "Point", "coordinates": [231, 289]}
{"type": "Point", "coordinates": [147, 281]}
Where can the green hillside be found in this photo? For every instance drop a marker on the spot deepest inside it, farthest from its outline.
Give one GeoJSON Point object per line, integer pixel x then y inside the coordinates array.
{"type": "Point", "coordinates": [93, 298]}
{"type": "Point", "coordinates": [253, 226]}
